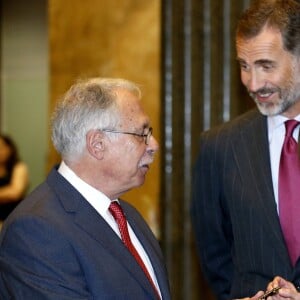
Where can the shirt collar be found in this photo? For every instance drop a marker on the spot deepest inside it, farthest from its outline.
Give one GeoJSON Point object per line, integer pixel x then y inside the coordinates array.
{"type": "Point", "coordinates": [96, 198]}
{"type": "Point", "coordinates": [274, 122]}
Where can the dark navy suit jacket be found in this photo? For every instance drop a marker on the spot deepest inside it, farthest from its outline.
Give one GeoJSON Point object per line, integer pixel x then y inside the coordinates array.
{"type": "Point", "coordinates": [56, 246]}
{"type": "Point", "coordinates": [240, 242]}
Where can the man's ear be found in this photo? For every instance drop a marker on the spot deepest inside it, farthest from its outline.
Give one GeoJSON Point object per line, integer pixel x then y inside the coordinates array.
{"type": "Point", "coordinates": [95, 143]}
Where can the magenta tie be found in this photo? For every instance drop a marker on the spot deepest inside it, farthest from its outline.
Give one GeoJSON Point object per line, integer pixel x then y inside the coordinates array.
{"type": "Point", "coordinates": [118, 214]}
{"type": "Point", "coordinates": [289, 192]}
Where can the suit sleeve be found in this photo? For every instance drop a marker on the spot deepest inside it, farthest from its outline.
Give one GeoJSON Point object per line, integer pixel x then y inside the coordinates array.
{"type": "Point", "coordinates": [32, 264]}
{"type": "Point", "coordinates": [210, 220]}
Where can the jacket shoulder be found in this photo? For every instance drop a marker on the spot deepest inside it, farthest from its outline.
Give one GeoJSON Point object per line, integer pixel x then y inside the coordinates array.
{"type": "Point", "coordinates": [236, 125]}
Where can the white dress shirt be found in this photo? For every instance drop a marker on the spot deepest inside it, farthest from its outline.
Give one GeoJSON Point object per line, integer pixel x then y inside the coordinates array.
{"type": "Point", "coordinates": [101, 203]}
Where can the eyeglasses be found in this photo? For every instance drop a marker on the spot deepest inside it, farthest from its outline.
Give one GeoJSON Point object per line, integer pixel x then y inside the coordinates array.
{"type": "Point", "coordinates": [146, 136]}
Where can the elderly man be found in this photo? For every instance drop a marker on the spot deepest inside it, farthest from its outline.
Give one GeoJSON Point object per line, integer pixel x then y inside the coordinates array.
{"type": "Point", "coordinates": [73, 238]}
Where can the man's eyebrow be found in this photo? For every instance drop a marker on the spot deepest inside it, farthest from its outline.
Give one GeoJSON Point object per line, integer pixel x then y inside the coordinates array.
{"type": "Point", "coordinates": [258, 62]}
{"type": "Point", "coordinates": [264, 61]}
{"type": "Point", "coordinates": [240, 61]}
{"type": "Point", "coordinates": [143, 126]}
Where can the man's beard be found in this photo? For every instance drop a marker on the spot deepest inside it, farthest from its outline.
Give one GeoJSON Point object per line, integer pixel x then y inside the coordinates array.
{"type": "Point", "coordinates": [287, 97]}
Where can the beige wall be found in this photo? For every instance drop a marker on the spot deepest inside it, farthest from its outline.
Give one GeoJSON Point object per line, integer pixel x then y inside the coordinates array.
{"type": "Point", "coordinates": [115, 38]}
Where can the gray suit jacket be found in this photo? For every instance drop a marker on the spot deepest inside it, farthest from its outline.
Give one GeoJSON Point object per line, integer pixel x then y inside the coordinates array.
{"type": "Point", "coordinates": [239, 238]}
{"type": "Point", "coordinates": [56, 246]}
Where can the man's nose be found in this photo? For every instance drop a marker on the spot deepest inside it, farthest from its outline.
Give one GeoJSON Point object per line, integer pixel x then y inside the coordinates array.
{"type": "Point", "coordinates": [153, 144]}
{"type": "Point", "coordinates": [254, 82]}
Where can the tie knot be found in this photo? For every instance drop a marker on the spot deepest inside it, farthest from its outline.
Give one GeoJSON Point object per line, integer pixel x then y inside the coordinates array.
{"type": "Point", "coordinates": [116, 210]}
{"type": "Point", "coordinates": [290, 125]}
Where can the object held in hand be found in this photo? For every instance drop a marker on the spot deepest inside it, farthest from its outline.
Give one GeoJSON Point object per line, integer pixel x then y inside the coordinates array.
{"type": "Point", "coordinates": [269, 293]}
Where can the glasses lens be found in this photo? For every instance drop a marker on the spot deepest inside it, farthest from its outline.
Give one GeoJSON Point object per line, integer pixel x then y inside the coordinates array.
{"type": "Point", "coordinates": [148, 136]}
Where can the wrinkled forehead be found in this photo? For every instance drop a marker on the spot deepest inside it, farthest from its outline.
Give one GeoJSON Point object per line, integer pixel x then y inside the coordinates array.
{"type": "Point", "coordinates": [266, 43]}
{"type": "Point", "coordinates": [131, 110]}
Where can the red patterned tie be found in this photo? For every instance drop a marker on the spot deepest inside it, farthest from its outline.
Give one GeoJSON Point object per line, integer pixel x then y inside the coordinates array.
{"type": "Point", "coordinates": [118, 214]}
{"type": "Point", "coordinates": [289, 192]}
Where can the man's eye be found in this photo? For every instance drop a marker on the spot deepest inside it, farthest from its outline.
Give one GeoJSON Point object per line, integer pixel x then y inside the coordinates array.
{"type": "Point", "coordinates": [244, 67]}
{"type": "Point", "coordinates": [267, 67]}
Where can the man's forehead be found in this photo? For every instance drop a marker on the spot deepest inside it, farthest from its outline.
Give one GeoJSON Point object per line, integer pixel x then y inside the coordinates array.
{"type": "Point", "coordinates": [132, 114]}
{"type": "Point", "coordinates": [267, 46]}
{"type": "Point", "coordinates": [269, 38]}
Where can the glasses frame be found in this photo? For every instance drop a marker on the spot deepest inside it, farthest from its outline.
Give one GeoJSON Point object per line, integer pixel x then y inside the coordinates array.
{"type": "Point", "coordinates": [146, 136]}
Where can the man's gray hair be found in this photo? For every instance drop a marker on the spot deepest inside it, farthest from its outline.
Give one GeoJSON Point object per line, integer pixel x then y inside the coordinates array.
{"type": "Point", "coordinates": [88, 104]}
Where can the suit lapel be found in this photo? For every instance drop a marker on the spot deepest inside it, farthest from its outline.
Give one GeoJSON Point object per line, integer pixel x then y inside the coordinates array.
{"type": "Point", "coordinates": [89, 221]}
{"type": "Point", "coordinates": [94, 225]}
{"type": "Point", "coordinates": [252, 142]}
{"type": "Point", "coordinates": [155, 257]}
{"type": "Point", "coordinates": [101, 232]}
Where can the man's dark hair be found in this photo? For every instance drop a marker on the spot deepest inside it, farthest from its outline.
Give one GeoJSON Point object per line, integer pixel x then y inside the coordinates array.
{"type": "Point", "coordinates": [283, 15]}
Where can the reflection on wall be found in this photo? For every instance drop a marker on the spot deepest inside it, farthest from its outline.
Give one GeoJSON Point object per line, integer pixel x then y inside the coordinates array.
{"type": "Point", "coordinates": [114, 39]}
{"type": "Point", "coordinates": [24, 81]}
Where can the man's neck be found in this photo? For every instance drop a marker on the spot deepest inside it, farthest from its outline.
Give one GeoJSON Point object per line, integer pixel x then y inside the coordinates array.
{"type": "Point", "coordinates": [293, 111]}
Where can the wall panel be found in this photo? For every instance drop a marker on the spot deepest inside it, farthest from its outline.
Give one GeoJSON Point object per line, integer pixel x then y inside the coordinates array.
{"type": "Point", "coordinates": [200, 89]}
{"type": "Point", "coordinates": [117, 38]}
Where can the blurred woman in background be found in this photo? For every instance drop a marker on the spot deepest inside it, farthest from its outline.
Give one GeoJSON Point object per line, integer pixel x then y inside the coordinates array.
{"type": "Point", "coordinates": [14, 177]}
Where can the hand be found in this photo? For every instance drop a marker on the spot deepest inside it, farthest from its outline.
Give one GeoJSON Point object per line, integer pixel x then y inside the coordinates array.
{"type": "Point", "coordinates": [287, 289]}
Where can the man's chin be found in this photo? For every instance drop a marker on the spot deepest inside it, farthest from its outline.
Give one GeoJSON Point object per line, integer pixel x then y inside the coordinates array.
{"type": "Point", "coordinates": [140, 181]}
{"type": "Point", "coordinates": [269, 109]}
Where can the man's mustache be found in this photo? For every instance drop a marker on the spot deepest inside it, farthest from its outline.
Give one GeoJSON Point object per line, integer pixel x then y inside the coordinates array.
{"type": "Point", "coordinates": [263, 91]}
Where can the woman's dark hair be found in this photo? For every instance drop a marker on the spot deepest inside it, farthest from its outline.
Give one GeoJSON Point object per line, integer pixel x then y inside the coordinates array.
{"type": "Point", "coordinates": [14, 155]}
